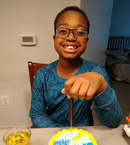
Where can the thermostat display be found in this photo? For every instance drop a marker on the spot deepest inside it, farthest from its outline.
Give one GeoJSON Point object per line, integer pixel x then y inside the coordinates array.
{"type": "Point", "coordinates": [28, 40]}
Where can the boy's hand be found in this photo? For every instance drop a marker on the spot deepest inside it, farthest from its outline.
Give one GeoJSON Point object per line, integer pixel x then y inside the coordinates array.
{"type": "Point", "coordinates": [84, 86]}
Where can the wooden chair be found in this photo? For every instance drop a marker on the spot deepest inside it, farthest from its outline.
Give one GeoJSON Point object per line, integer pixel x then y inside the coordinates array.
{"type": "Point", "coordinates": [33, 68]}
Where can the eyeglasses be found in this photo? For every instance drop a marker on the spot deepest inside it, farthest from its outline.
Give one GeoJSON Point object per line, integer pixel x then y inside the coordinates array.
{"type": "Point", "coordinates": [78, 33]}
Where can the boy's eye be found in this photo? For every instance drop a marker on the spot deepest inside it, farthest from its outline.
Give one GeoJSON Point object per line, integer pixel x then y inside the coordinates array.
{"type": "Point", "coordinates": [62, 32]}
{"type": "Point", "coordinates": [80, 33]}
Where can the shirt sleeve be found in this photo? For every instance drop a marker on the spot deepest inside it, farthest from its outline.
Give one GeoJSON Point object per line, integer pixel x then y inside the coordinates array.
{"type": "Point", "coordinates": [107, 107]}
{"type": "Point", "coordinates": [38, 114]}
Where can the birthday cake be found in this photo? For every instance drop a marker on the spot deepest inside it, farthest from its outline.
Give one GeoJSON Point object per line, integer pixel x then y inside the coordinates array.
{"type": "Point", "coordinates": [72, 137]}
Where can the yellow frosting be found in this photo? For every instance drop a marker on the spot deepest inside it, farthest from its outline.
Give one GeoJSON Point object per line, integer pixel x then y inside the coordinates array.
{"type": "Point", "coordinates": [78, 137]}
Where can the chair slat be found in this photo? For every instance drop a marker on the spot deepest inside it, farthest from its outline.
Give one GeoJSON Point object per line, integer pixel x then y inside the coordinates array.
{"type": "Point", "coordinates": [33, 68]}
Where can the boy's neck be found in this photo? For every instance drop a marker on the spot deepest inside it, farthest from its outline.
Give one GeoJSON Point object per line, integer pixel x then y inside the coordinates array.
{"type": "Point", "coordinates": [67, 69]}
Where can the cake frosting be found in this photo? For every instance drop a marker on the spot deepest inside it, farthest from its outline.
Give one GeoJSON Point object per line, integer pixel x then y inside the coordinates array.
{"type": "Point", "coordinates": [127, 126]}
{"type": "Point", "coordinates": [72, 137]}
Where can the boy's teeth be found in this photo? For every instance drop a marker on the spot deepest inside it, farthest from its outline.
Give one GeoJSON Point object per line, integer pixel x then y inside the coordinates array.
{"type": "Point", "coordinates": [69, 47]}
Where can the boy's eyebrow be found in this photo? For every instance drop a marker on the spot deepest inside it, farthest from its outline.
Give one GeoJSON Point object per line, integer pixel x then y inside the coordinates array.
{"type": "Point", "coordinates": [68, 24]}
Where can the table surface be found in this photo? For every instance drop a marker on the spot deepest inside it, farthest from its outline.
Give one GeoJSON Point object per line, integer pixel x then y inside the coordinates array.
{"type": "Point", "coordinates": [102, 134]}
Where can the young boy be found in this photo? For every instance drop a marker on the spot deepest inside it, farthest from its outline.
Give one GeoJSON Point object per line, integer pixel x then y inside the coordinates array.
{"type": "Point", "coordinates": [71, 76]}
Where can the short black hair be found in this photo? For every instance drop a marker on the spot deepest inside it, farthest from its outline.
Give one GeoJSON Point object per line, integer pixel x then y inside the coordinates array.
{"type": "Point", "coordinates": [73, 8]}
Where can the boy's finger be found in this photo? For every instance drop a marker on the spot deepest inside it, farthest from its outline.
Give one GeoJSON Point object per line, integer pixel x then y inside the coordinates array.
{"type": "Point", "coordinates": [68, 84]}
{"type": "Point", "coordinates": [63, 91]}
{"type": "Point", "coordinates": [90, 93]}
{"type": "Point", "coordinates": [68, 96]}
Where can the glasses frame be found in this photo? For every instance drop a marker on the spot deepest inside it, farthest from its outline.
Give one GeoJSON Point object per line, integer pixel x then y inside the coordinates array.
{"type": "Point", "coordinates": [72, 31]}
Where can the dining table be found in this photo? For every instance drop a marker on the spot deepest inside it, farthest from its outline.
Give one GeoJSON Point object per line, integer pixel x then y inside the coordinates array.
{"type": "Point", "coordinates": [102, 134]}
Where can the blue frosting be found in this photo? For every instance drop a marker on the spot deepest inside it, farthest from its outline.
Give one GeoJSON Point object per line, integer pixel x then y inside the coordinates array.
{"type": "Point", "coordinates": [62, 142]}
{"type": "Point", "coordinates": [89, 143]}
{"type": "Point", "coordinates": [66, 142]}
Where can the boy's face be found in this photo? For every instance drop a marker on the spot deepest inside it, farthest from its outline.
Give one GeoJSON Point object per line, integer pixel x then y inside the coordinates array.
{"type": "Point", "coordinates": [70, 48]}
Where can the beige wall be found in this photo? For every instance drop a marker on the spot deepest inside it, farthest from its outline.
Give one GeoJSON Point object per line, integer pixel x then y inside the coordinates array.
{"type": "Point", "coordinates": [25, 17]}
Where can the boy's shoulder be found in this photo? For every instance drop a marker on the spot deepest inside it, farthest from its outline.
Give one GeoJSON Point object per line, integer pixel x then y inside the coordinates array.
{"type": "Point", "coordinates": [90, 63]}
{"type": "Point", "coordinates": [90, 66]}
{"type": "Point", "coordinates": [48, 68]}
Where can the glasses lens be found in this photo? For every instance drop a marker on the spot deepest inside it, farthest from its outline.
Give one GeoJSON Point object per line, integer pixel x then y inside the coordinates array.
{"type": "Point", "coordinates": [80, 33]}
{"type": "Point", "coordinates": [62, 32]}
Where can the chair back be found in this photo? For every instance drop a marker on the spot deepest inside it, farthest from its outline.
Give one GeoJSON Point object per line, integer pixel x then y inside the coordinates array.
{"type": "Point", "coordinates": [33, 68]}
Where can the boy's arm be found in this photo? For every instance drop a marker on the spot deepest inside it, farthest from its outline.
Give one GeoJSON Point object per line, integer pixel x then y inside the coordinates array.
{"type": "Point", "coordinates": [40, 119]}
{"type": "Point", "coordinates": [95, 85]}
{"type": "Point", "coordinates": [38, 114]}
{"type": "Point", "coordinates": [107, 108]}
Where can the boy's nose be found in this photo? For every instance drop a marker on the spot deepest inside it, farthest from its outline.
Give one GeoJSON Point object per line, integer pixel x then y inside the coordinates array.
{"type": "Point", "coordinates": [71, 36]}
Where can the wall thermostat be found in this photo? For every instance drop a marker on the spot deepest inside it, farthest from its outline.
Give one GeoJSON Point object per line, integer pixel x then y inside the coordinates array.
{"type": "Point", "coordinates": [28, 40]}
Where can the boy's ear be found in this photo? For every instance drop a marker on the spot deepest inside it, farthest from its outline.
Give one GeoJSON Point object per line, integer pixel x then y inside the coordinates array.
{"type": "Point", "coordinates": [54, 37]}
{"type": "Point", "coordinates": [87, 38]}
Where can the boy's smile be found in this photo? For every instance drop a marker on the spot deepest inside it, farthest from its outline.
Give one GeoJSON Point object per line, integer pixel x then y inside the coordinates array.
{"type": "Point", "coordinates": [70, 47]}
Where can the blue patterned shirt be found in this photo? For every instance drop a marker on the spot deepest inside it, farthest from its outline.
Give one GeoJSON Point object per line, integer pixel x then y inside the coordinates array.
{"type": "Point", "coordinates": [49, 107]}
